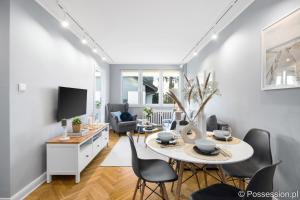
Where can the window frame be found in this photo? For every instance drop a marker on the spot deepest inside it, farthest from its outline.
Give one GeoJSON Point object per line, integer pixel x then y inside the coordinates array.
{"type": "Point", "coordinates": [140, 86]}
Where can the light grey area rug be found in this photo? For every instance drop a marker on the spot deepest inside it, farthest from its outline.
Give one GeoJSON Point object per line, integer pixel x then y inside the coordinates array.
{"type": "Point", "coordinates": [120, 155]}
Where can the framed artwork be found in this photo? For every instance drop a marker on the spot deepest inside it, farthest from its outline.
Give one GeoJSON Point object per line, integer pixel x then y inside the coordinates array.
{"type": "Point", "coordinates": [281, 53]}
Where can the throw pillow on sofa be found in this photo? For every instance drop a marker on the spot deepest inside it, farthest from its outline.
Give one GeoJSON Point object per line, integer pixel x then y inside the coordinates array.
{"type": "Point", "coordinates": [126, 116]}
{"type": "Point", "coordinates": [117, 114]}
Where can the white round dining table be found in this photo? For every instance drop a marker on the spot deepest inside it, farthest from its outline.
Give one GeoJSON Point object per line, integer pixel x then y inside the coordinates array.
{"type": "Point", "coordinates": [239, 152]}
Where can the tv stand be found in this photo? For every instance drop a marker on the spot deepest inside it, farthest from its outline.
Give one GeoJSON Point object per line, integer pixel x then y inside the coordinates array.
{"type": "Point", "coordinates": [70, 157]}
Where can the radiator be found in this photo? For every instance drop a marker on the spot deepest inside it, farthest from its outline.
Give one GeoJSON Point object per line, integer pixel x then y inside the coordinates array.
{"type": "Point", "coordinates": [159, 115]}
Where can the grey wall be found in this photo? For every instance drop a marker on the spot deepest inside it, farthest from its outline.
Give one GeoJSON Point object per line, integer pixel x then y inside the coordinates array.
{"type": "Point", "coordinates": [4, 99]}
{"type": "Point", "coordinates": [44, 56]}
{"type": "Point", "coordinates": [236, 57]}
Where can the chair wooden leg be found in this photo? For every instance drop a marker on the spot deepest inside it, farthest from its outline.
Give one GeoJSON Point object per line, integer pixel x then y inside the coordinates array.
{"type": "Point", "coordinates": [198, 182]}
{"type": "Point", "coordinates": [143, 190]}
{"type": "Point", "coordinates": [241, 184]}
{"type": "Point", "coordinates": [196, 176]}
{"type": "Point", "coordinates": [161, 190]}
{"type": "Point", "coordinates": [136, 188]}
{"type": "Point", "coordinates": [205, 176]}
{"type": "Point", "coordinates": [165, 191]}
{"type": "Point", "coordinates": [223, 178]}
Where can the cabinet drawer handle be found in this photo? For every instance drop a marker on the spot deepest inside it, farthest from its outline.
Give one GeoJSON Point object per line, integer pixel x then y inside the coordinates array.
{"type": "Point", "coordinates": [98, 145]}
{"type": "Point", "coordinates": [87, 156]}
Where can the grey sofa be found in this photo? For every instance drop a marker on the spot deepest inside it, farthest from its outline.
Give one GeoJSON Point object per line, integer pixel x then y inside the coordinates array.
{"type": "Point", "coordinates": [117, 126]}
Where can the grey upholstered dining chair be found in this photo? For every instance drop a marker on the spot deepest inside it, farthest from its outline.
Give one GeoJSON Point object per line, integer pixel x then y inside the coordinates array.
{"type": "Point", "coordinates": [117, 125]}
{"type": "Point", "coordinates": [261, 182]}
{"type": "Point", "coordinates": [212, 123]}
{"type": "Point", "coordinates": [151, 171]}
{"type": "Point", "coordinates": [260, 141]}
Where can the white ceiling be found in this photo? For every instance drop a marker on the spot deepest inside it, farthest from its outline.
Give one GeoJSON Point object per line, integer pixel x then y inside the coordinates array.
{"type": "Point", "coordinates": [146, 31]}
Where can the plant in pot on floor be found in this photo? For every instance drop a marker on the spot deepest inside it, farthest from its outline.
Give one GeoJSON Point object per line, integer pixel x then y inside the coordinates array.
{"type": "Point", "coordinates": [76, 125]}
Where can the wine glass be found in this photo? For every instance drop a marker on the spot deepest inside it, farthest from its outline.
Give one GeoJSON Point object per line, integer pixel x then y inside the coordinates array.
{"type": "Point", "coordinates": [228, 136]}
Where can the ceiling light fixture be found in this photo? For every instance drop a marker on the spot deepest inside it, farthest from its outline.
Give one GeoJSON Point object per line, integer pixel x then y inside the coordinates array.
{"type": "Point", "coordinates": [191, 53]}
{"type": "Point", "coordinates": [65, 23]}
{"type": "Point", "coordinates": [87, 38]}
{"type": "Point", "coordinates": [84, 41]}
{"type": "Point", "coordinates": [214, 36]}
{"type": "Point", "coordinates": [195, 53]}
{"type": "Point", "coordinates": [95, 50]}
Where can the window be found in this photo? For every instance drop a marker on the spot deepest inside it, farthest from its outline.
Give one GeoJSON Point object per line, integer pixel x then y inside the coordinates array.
{"type": "Point", "coordinates": [148, 87]}
{"type": "Point", "coordinates": [170, 82]}
{"type": "Point", "coordinates": [130, 87]}
{"type": "Point", "coordinates": [97, 95]}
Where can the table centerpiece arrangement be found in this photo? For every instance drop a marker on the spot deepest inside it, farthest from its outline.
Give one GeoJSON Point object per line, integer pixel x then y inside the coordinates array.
{"type": "Point", "coordinates": [196, 97]}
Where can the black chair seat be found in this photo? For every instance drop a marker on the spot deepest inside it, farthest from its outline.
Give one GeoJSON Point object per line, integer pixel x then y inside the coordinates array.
{"type": "Point", "coordinates": [153, 170]}
{"type": "Point", "coordinates": [244, 169]}
{"type": "Point", "coordinates": [262, 181]}
{"type": "Point", "coordinates": [217, 192]}
{"type": "Point", "coordinates": [260, 141]}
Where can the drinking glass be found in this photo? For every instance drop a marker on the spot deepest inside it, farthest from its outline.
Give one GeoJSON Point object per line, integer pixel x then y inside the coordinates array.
{"type": "Point", "coordinates": [227, 137]}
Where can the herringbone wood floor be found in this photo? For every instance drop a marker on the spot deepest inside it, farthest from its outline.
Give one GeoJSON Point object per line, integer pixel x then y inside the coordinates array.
{"type": "Point", "coordinates": [104, 183]}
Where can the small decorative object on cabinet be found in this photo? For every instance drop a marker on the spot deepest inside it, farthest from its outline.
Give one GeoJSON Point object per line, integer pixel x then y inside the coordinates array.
{"type": "Point", "coordinates": [76, 125]}
{"type": "Point", "coordinates": [197, 96]}
{"type": "Point", "coordinates": [65, 134]}
{"type": "Point", "coordinates": [70, 157]}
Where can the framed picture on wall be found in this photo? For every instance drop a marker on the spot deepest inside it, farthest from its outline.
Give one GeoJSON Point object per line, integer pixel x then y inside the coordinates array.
{"type": "Point", "coordinates": [281, 53]}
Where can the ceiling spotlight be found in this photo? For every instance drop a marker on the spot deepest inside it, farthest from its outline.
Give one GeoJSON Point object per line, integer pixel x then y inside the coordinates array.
{"type": "Point", "coordinates": [95, 50]}
{"type": "Point", "coordinates": [214, 36]}
{"type": "Point", "coordinates": [181, 66]}
{"type": "Point", "coordinates": [195, 53]}
{"type": "Point", "coordinates": [103, 58]}
{"type": "Point", "coordinates": [84, 41]}
{"type": "Point", "coordinates": [288, 60]}
{"type": "Point", "coordinates": [64, 23]}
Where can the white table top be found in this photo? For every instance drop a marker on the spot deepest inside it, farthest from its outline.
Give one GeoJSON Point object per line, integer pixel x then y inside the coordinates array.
{"type": "Point", "coordinates": [240, 152]}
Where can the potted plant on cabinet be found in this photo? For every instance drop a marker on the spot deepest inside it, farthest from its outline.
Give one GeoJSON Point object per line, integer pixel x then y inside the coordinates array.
{"type": "Point", "coordinates": [76, 125]}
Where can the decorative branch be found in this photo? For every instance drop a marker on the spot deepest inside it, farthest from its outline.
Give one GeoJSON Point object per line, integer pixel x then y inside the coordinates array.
{"type": "Point", "coordinates": [173, 96]}
{"type": "Point", "coordinates": [187, 80]}
{"type": "Point", "coordinates": [204, 103]}
{"type": "Point", "coordinates": [190, 94]}
{"type": "Point", "coordinates": [199, 88]}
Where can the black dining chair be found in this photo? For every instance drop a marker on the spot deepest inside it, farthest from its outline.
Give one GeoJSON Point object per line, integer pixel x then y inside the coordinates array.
{"type": "Point", "coordinates": [262, 181]}
{"type": "Point", "coordinates": [152, 171]}
{"type": "Point", "coordinates": [260, 141]}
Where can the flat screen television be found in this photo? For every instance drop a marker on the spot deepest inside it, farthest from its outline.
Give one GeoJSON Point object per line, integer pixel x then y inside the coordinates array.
{"type": "Point", "coordinates": [71, 102]}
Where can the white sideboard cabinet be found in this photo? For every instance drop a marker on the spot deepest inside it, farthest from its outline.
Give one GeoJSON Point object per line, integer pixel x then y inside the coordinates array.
{"type": "Point", "coordinates": [70, 157]}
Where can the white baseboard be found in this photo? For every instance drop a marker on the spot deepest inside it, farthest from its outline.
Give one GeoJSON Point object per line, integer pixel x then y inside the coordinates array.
{"type": "Point", "coordinates": [28, 188]}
